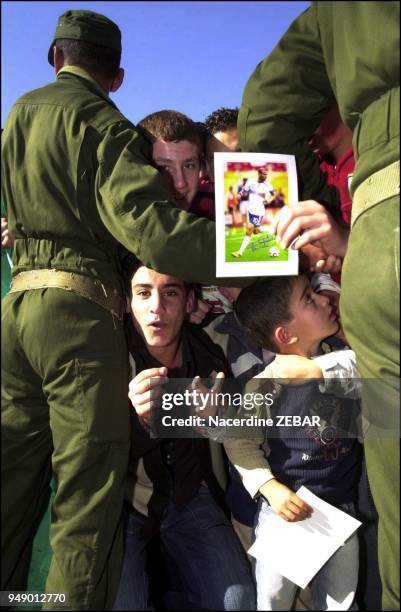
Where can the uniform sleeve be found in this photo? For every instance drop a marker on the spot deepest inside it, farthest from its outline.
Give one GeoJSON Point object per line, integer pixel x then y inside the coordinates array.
{"type": "Point", "coordinates": [139, 212]}
{"type": "Point", "coordinates": [284, 102]}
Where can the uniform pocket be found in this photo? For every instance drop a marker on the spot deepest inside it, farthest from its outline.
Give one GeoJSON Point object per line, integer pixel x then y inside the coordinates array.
{"type": "Point", "coordinates": [102, 390]}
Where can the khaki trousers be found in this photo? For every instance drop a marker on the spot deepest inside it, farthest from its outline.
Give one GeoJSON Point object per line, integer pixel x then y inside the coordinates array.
{"type": "Point", "coordinates": [64, 411]}
{"type": "Point", "coordinates": [369, 308]}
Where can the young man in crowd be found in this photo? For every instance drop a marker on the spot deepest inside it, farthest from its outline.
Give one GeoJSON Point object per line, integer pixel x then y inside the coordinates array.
{"type": "Point", "coordinates": [332, 143]}
{"type": "Point", "coordinates": [176, 151]}
{"type": "Point", "coordinates": [171, 488]}
{"type": "Point", "coordinates": [221, 135]}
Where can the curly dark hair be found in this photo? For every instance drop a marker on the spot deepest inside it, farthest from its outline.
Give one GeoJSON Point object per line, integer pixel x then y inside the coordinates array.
{"type": "Point", "coordinates": [221, 120]}
{"type": "Point", "coordinates": [130, 264]}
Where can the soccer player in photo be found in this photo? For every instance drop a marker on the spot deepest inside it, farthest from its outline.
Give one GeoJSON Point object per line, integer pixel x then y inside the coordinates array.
{"type": "Point", "coordinates": [261, 192]}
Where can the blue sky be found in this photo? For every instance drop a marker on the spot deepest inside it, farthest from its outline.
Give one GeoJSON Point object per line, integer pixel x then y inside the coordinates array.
{"type": "Point", "coordinates": [188, 56]}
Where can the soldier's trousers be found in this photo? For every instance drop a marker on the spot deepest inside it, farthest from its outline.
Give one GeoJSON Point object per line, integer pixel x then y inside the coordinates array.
{"type": "Point", "coordinates": [370, 316]}
{"type": "Point", "coordinates": [64, 410]}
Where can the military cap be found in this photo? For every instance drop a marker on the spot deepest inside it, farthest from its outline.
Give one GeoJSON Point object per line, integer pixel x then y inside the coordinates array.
{"type": "Point", "coordinates": [89, 26]}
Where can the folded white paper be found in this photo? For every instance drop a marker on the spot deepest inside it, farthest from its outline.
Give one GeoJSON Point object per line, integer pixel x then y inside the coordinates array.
{"type": "Point", "coordinates": [298, 550]}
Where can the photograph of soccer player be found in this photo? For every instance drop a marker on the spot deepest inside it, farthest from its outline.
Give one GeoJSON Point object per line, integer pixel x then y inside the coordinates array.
{"type": "Point", "coordinates": [262, 184]}
{"type": "Point", "coordinates": [260, 194]}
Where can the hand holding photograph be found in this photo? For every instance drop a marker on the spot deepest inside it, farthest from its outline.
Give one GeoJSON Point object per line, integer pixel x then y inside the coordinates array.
{"type": "Point", "coordinates": [251, 188]}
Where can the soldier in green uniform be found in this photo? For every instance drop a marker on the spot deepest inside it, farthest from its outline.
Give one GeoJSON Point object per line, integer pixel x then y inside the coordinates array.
{"type": "Point", "coordinates": [77, 180]}
{"type": "Point", "coordinates": [347, 54]}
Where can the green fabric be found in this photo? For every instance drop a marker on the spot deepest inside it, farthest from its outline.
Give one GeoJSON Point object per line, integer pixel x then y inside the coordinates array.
{"type": "Point", "coordinates": [370, 316]}
{"type": "Point", "coordinates": [96, 180]}
{"type": "Point", "coordinates": [328, 57]}
{"type": "Point", "coordinates": [65, 398]}
{"type": "Point", "coordinates": [347, 54]}
{"type": "Point", "coordinates": [88, 26]}
{"type": "Point", "coordinates": [41, 550]}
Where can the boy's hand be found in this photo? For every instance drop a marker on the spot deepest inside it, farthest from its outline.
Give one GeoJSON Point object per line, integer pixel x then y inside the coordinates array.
{"type": "Point", "coordinates": [144, 390]}
{"type": "Point", "coordinates": [292, 369]}
{"type": "Point", "coordinates": [285, 502]}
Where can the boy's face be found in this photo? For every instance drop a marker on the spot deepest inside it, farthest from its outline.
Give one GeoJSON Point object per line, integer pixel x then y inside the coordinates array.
{"type": "Point", "coordinates": [179, 163]}
{"type": "Point", "coordinates": [159, 305]}
{"type": "Point", "coordinates": [314, 317]}
{"type": "Point", "coordinates": [221, 142]}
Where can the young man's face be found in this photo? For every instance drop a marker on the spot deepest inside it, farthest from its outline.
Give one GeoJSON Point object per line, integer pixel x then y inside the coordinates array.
{"type": "Point", "coordinates": [221, 142]}
{"type": "Point", "coordinates": [159, 305]}
{"type": "Point", "coordinates": [179, 163]}
{"type": "Point", "coordinates": [331, 134]}
{"type": "Point", "coordinates": [314, 318]}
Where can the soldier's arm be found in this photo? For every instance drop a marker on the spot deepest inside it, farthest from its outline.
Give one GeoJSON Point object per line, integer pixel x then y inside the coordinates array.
{"type": "Point", "coordinates": [284, 102]}
{"type": "Point", "coordinates": [140, 213]}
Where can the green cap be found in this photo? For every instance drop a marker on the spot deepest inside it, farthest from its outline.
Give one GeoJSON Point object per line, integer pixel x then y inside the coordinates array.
{"type": "Point", "coordinates": [89, 26]}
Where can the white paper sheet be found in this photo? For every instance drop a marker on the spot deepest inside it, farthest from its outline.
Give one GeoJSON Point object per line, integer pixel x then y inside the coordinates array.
{"type": "Point", "coordinates": [298, 550]}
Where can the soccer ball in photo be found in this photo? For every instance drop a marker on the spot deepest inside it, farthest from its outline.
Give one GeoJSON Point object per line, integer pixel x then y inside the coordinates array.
{"type": "Point", "coordinates": [274, 251]}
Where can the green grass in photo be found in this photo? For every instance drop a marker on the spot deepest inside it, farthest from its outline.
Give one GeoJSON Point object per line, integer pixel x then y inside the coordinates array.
{"type": "Point", "coordinates": [257, 249]}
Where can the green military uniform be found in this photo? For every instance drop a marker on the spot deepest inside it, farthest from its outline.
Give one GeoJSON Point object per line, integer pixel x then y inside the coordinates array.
{"type": "Point", "coordinates": [77, 181]}
{"type": "Point", "coordinates": [347, 54]}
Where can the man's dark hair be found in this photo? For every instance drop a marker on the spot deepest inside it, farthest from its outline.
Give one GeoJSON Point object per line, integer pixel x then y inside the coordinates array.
{"type": "Point", "coordinates": [221, 120]}
{"type": "Point", "coordinates": [101, 60]}
{"type": "Point", "coordinates": [129, 266]}
{"type": "Point", "coordinates": [171, 126]}
{"type": "Point", "coordinates": [263, 306]}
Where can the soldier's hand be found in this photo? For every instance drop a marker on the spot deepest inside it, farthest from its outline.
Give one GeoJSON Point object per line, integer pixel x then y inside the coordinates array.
{"type": "Point", "coordinates": [285, 502]}
{"type": "Point", "coordinates": [310, 223]}
{"type": "Point", "coordinates": [145, 390]}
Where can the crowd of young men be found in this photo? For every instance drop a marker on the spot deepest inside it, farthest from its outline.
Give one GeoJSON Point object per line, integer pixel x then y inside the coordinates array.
{"type": "Point", "coordinates": [81, 198]}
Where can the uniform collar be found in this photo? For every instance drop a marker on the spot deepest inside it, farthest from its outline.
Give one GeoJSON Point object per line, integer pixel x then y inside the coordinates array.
{"type": "Point", "coordinates": [81, 72]}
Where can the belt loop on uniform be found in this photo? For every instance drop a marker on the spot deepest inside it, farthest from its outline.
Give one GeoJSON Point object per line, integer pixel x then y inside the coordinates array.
{"type": "Point", "coordinates": [378, 187]}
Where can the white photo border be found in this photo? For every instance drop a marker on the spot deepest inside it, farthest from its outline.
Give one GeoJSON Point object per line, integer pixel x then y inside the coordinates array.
{"type": "Point", "coordinates": [251, 268]}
